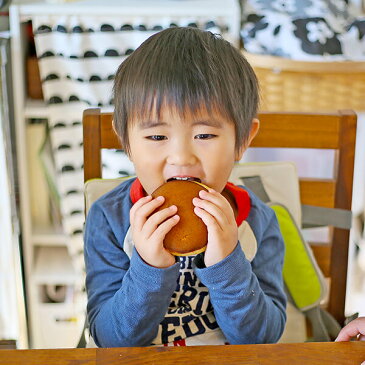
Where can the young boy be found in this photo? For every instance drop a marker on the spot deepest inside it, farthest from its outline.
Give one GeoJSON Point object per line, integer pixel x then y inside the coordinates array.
{"type": "Point", "coordinates": [185, 106]}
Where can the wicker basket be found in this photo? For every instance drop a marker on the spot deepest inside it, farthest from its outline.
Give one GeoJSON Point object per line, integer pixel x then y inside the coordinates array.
{"type": "Point", "coordinates": [289, 85]}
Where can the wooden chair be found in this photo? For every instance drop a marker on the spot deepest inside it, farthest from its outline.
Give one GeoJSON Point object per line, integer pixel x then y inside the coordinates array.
{"type": "Point", "coordinates": [334, 131]}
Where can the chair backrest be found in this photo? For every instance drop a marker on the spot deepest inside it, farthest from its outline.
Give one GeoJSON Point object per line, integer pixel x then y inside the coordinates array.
{"type": "Point", "coordinates": [329, 131]}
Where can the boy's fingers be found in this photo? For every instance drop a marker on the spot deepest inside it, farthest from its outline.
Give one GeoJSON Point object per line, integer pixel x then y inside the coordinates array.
{"type": "Point", "coordinates": [137, 205]}
{"type": "Point", "coordinates": [157, 219]}
{"type": "Point", "coordinates": [161, 231]}
{"type": "Point", "coordinates": [213, 210]}
{"type": "Point", "coordinates": [141, 202]}
{"type": "Point", "coordinates": [207, 218]}
{"type": "Point", "coordinates": [216, 198]}
{"type": "Point", "coordinates": [219, 206]}
{"type": "Point", "coordinates": [141, 214]}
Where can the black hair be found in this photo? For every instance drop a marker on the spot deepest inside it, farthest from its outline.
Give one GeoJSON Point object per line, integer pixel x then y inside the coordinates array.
{"type": "Point", "coordinates": [187, 69]}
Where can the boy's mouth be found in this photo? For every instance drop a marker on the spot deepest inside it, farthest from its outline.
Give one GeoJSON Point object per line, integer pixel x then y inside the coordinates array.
{"type": "Point", "coordinates": [184, 178]}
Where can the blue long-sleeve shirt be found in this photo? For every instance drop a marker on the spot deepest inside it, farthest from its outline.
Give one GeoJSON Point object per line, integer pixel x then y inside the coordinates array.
{"type": "Point", "coordinates": [133, 304]}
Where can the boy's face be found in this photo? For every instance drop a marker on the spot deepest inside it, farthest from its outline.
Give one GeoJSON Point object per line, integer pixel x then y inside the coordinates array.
{"type": "Point", "coordinates": [199, 146]}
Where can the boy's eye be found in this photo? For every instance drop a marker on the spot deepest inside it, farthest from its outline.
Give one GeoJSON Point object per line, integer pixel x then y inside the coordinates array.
{"type": "Point", "coordinates": [205, 136]}
{"type": "Point", "coordinates": [156, 138]}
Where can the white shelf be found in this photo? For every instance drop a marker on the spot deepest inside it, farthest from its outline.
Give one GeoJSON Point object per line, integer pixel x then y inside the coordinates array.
{"type": "Point", "coordinates": [48, 236]}
{"type": "Point", "coordinates": [5, 34]}
{"type": "Point", "coordinates": [128, 7]}
{"type": "Point", "coordinates": [35, 109]}
{"type": "Point", "coordinates": [53, 266]}
{"type": "Point", "coordinates": [62, 322]}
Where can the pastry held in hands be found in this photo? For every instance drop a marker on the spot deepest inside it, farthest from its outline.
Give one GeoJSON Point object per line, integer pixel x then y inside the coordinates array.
{"type": "Point", "coordinates": [190, 235]}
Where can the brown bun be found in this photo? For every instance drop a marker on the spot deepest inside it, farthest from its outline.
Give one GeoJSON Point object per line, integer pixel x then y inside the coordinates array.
{"type": "Point", "coordinates": [190, 235]}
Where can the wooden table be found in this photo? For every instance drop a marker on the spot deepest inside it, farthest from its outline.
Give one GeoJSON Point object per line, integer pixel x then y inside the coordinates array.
{"type": "Point", "coordinates": [344, 353]}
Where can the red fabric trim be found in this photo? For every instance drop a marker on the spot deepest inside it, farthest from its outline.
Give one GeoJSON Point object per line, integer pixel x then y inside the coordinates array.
{"type": "Point", "coordinates": [241, 196]}
{"type": "Point", "coordinates": [137, 192]}
{"type": "Point", "coordinates": [243, 202]}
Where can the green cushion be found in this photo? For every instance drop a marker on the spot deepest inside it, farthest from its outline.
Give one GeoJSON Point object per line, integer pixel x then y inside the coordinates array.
{"type": "Point", "coordinates": [301, 274]}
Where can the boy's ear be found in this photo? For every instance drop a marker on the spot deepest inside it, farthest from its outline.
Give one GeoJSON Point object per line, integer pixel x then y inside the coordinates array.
{"type": "Point", "coordinates": [113, 126]}
{"type": "Point", "coordinates": [115, 131]}
{"type": "Point", "coordinates": [255, 126]}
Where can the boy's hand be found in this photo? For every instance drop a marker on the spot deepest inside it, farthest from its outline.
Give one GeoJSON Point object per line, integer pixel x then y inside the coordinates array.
{"type": "Point", "coordinates": [218, 216]}
{"type": "Point", "coordinates": [149, 230]}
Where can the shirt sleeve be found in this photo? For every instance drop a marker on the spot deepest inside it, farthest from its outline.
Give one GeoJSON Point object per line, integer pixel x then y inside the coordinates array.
{"type": "Point", "coordinates": [127, 299]}
{"type": "Point", "coordinates": [248, 297]}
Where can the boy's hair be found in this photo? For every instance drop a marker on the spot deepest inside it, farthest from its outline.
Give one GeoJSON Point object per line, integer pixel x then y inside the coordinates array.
{"type": "Point", "coordinates": [187, 69]}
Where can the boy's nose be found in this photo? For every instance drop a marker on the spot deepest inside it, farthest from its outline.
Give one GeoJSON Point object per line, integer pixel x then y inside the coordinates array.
{"type": "Point", "coordinates": [182, 155]}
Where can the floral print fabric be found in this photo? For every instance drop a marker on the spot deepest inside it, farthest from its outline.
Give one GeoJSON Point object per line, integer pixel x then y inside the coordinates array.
{"type": "Point", "coordinates": [304, 29]}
